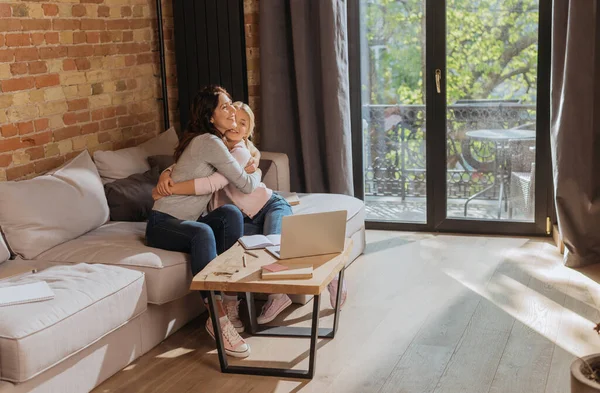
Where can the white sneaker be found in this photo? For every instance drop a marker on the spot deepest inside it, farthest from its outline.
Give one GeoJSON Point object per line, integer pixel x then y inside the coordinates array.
{"type": "Point", "coordinates": [232, 308]}
{"type": "Point", "coordinates": [272, 308]}
{"type": "Point", "coordinates": [234, 344]}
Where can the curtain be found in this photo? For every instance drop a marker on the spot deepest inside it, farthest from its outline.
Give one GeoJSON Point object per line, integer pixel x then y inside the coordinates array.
{"type": "Point", "coordinates": [305, 94]}
{"type": "Point", "coordinates": [575, 129]}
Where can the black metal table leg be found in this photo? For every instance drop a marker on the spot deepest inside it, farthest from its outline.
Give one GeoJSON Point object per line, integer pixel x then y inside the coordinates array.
{"type": "Point", "coordinates": [314, 332]}
{"type": "Point", "coordinates": [214, 314]}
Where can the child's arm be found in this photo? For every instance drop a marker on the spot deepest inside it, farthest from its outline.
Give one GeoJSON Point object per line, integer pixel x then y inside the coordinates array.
{"type": "Point", "coordinates": [212, 183]}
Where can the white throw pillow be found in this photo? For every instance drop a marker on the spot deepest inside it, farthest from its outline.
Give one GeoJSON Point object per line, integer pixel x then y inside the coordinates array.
{"type": "Point", "coordinates": [119, 164]}
{"type": "Point", "coordinates": [38, 214]}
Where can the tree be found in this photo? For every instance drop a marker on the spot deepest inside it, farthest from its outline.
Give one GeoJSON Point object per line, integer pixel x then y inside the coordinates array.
{"type": "Point", "coordinates": [491, 49]}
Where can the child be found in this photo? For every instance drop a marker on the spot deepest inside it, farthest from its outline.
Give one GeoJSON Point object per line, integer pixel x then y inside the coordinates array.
{"type": "Point", "coordinates": [263, 209]}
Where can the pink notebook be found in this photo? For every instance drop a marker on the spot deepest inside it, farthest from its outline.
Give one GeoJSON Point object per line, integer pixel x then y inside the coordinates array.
{"type": "Point", "coordinates": [275, 267]}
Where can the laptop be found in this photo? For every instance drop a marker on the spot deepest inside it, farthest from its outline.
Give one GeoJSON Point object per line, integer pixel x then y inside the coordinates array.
{"type": "Point", "coordinates": [307, 235]}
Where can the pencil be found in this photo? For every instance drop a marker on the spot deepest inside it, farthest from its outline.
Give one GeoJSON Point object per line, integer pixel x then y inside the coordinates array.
{"type": "Point", "coordinates": [244, 260]}
{"type": "Point", "coordinates": [251, 253]}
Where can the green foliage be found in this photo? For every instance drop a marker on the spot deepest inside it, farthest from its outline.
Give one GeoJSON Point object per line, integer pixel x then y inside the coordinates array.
{"type": "Point", "coordinates": [491, 49]}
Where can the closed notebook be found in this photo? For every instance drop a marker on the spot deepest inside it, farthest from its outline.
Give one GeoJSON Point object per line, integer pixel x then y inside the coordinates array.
{"type": "Point", "coordinates": [293, 272]}
{"type": "Point", "coordinates": [259, 241]}
{"type": "Point", "coordinates": [25, 293]}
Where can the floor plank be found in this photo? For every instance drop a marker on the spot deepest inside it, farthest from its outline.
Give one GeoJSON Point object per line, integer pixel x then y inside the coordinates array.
{"type": "Point", "coordinates": [426, 313]}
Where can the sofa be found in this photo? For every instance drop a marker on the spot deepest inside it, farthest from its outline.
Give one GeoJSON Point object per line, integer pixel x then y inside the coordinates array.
{"type": "Point", "coordinates": [115, 298]}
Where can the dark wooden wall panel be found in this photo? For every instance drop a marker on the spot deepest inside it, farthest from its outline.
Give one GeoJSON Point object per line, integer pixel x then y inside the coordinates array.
{"type": "Point", "coordinates": [210, 48]}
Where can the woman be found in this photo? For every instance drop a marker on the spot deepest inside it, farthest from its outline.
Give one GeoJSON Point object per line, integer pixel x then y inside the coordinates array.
{"type": "Point", "coordinates": [180, 223]}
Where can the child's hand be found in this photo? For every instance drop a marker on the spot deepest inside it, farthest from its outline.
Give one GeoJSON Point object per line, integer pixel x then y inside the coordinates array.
{"type": "Point", "coordinates": [165, 182]}
{"type": "Point", "coordinates": [250, 166]}
{"type": "Point", "coordinates": [155, 195]}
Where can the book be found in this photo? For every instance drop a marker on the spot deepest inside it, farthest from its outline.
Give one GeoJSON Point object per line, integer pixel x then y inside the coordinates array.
{"type": "Point", "coordinates": [293, 272]}
{"type": "Point", "coordinates": [274, 267]}
{"type": "Point", "coordinates": [290, 197]}
{"type": "Point", "coordinates": [253, 242]}
{"type": "Point", "coordinates": [25, 293]}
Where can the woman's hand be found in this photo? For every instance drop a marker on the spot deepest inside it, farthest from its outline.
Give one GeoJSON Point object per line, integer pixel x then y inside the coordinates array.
{"type": "Point", "coordinates": [165, 182]}
{"type": "Point", "coordinates": [250, 166]}
{"type": "Point", "coordinates": [155, 195]}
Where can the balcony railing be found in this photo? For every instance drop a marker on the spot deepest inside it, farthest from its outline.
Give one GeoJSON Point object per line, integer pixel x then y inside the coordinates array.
{"type": "Point", "coordinates": [394, 147]}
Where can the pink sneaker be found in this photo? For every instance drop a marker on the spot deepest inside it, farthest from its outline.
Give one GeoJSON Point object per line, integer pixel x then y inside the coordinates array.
{"type": "Point", "coordinates": [232, 308]}
{"type": "Point", "coordinates": [272, 308]}
{"type": "Point", "coordinates": [332, 287]}
{"type": "Point", "coordinates": [234, 344]}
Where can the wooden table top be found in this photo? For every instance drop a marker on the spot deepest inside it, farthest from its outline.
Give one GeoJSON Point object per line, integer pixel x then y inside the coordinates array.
{"type": "Point", "coordinates": [248, 279]}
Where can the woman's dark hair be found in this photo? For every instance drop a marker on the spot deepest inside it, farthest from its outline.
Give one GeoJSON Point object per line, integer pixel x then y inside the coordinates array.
{"type": "Point", "coordinates": [202, 109]}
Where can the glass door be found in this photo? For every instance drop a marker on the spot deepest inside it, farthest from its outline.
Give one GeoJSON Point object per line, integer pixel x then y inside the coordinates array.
{"type": "Point", "coordinates": [450, 95]}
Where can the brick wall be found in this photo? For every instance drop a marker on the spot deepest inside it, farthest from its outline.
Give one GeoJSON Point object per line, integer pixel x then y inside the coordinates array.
{"type": "Point", "coordinates": [84, 74]}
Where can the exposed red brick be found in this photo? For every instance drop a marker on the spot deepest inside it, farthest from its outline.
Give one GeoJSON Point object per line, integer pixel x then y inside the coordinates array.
{"type": "Point", "coordinates": [47, 80]}
{"type": "Point", "coordinates": [53, 52]}
{"type": "Point", "coordinates": [66, 24]}
{"type": "Point", "coordinates": [93, 37]}
{"type": "Point", "coordinates": [52, 38]}
{"type": "Point", "coordinates": [83, 117]}
{"type": "Point", "coordinates": [139, 23]}
{"type": "Point", "coordinates": [93, 24]}
{"type": "Point", "coordinates": [37, 38]}
{"type": "Point", "coordinates": [79, 37]}
{"type": "Point", "coordinates": [127, 36]}
{"type": "Point", "coordinates": [69, 65]}
{"type": "Point", "coordinates": [70, 118]}
{"type": "Point", "coordinates": [10, 25]}
{"type": "Point", "coordinates": [121, 110]}
{"type": "Point", "coordinates": [145, 58]}
{"type": "Point", "coordinates": [18, 68]}
{"type": "Point", "coordinates": [25, 127]}
{"type": "Point", "coordinates": [105, 36]}
{"type": "Point", "coordinates": [103, 11]}
{"type": "Point", "coordinates": [97, 114]}
{"type": "Point", "coordinates": [50, 9]}
{"type": "Point", "coordinates": [72, 155]}
{"type": "Point", "coordinates": [80, 51]}
{"type": "Point", "coordinates": [131, 84]}
{"type": "Point", "coordinates": [39, 139]}
{"type": "Point", "coordinates": [26, 54]}
{"type": "Point", "coordinates": [105, 50]}
{"type": "Point", "coordinates": [1, 39]}
{"type": "Point", "coordinates": [41, 124]}
{"type": "Point", "coordinates": [92, 1]}
{"type": "Point", "coordinates": [67, 132]}
{"type": "Point", "coordinates": [35, 24]}
{"type": "Point", "coordinates": [90, 128]}
{"type": "Point", "coordinates": [5, 10]}
{"type": "Point", "coordinates": [83, 64]}
{"type": "Point", "coordinates": [126, 121]}
{"type": "Point", "coordinates": [17, 84]}
{"type": "Point", "coordinates": [78, 10]}
{"type": "Point", "coordinates": [110, 112]}
{"type": "Point", "coordinates": [129, 60]}
{"type": "Point", "coordinates": [35, 153]}
{"type": "Point", "coordinates": [118, 24]}
{"type": "Point", "coordinates": [6, 159]}
{"type": "Point", "coordinates": [37, 67]}
{"type": "Point", "coordinates": [6, 56]}
{"type": "Point", "coordinates": [9, 130]}
{"type": "Point", "coordinates": [19, 171]}
{"type": "Point", "coordinates": [18, 40]}
{"type": "Point", "coordinates": [47, 164]}
{"type": "Point", "coordinates": [77, 105]}
{"type": "Point", "coordinates": [108, 124]}
{"type": "Point", "coordinates": [102, 138]}
{"type": "Point", "coordinates": [126, 11]}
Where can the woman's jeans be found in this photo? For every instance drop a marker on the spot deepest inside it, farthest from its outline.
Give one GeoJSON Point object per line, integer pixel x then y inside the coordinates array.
{"type": "Point", "coordinates": [268, 220]}
{"type": "Point", "coordinates": [203, 239]}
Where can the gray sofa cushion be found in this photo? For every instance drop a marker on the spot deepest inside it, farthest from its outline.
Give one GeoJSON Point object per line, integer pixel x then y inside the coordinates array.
{"type": "Point", "coordinates": [130, 199]}
{"type": "Point", "coordinates": [38, 214]}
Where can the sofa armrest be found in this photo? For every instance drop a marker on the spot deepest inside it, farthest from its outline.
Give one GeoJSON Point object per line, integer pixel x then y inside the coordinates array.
{"type": "Point", "coordinates": [276, 170]}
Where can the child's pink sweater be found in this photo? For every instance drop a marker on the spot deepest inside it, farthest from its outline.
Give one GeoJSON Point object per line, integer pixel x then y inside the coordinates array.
{"type": "Point", "coordinates": [224, 193]}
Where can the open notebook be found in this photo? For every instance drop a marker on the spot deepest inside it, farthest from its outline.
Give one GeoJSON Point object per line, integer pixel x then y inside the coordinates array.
{"type": "Point", "coordinates": [259, 241]}
{"type": "Point", "coordinates": [25, 293]}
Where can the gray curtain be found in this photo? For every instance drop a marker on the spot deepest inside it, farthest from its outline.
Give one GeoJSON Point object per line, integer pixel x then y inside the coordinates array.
{"type": "Point", "coordinates": [305, 91]}
{"type": "Point", "coordinates": [576, 127]}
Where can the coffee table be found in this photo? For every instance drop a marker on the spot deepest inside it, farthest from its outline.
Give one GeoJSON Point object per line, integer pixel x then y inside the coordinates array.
{"type": "Point", "coordinates": [226, 273]}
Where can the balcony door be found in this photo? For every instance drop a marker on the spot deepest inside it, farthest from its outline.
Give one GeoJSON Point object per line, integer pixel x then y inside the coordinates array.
{"type": "Point", "coordinates": [451, 113]}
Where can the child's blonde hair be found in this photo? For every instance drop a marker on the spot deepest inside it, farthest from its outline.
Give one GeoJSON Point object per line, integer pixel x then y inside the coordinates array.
{"type": "Point", "coordinates": [239, 105]}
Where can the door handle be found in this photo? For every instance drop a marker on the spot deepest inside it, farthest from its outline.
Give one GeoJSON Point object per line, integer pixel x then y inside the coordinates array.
{"type": "Point", "coordinates": [438, 79]}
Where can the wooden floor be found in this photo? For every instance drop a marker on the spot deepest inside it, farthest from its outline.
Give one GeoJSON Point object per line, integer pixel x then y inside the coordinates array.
{"type": "Point", "coordinates": [425, 313]}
